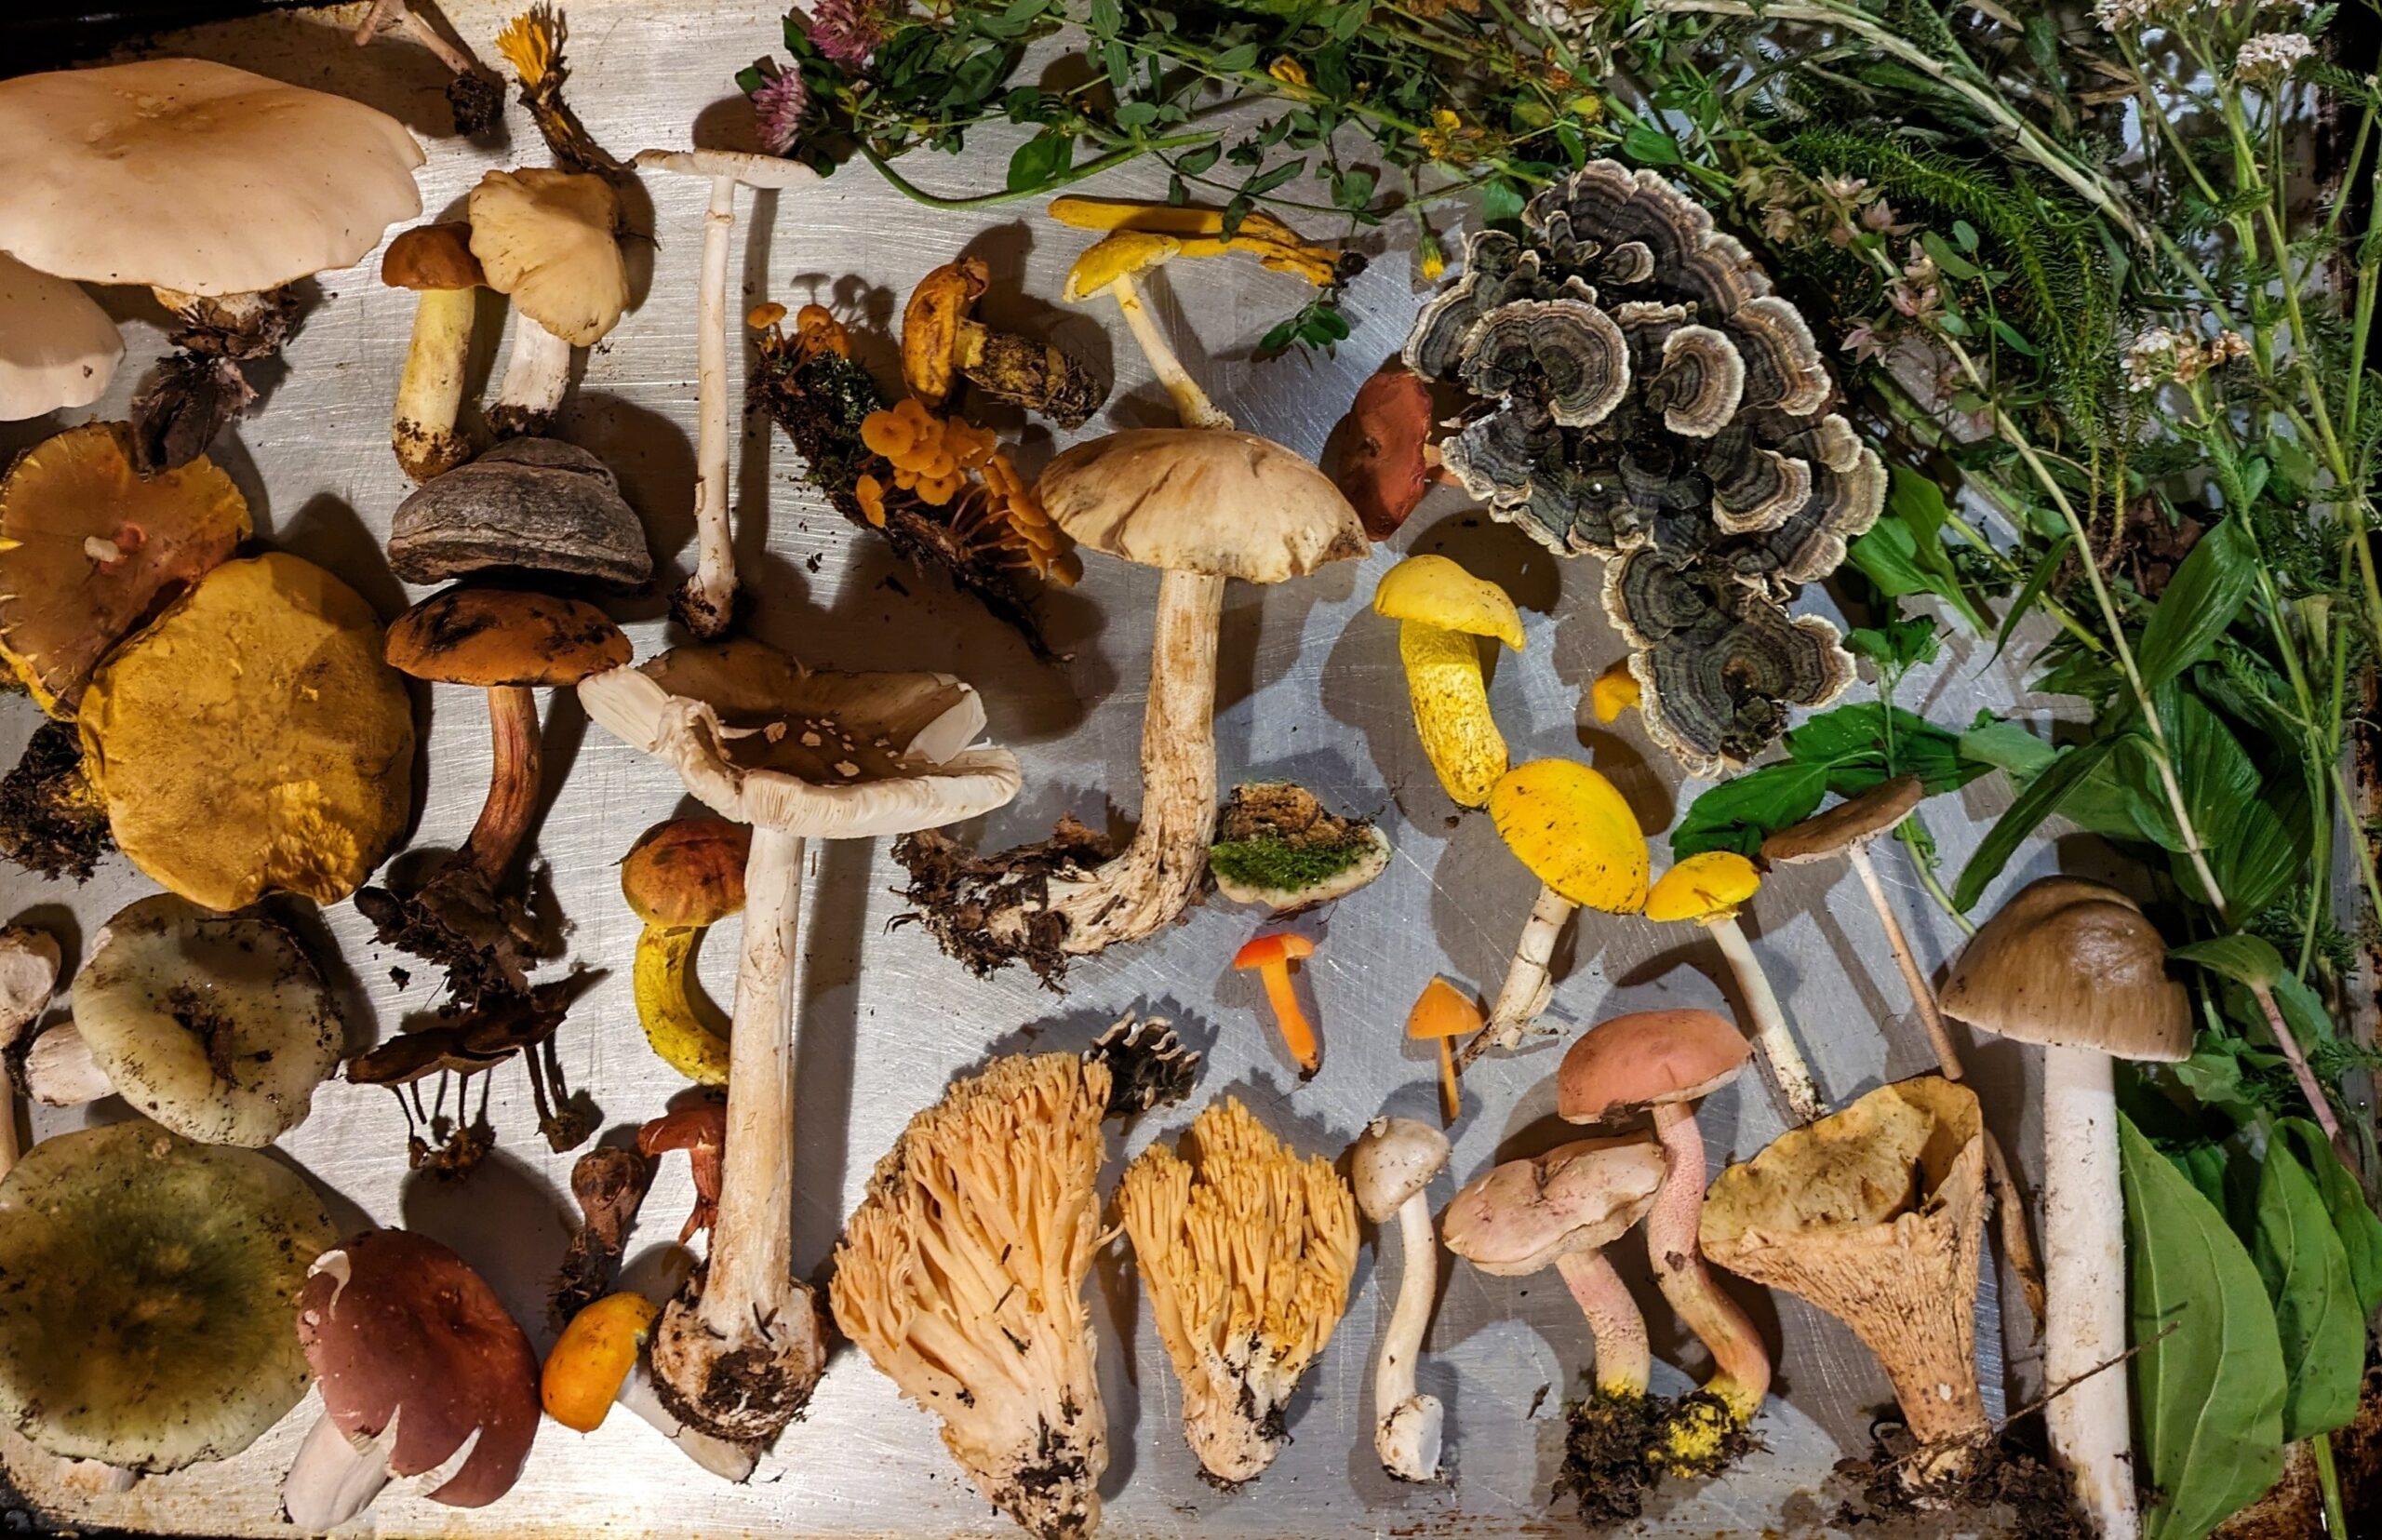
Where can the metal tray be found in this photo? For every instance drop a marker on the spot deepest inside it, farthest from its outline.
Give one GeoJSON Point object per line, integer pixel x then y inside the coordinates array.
{"type": "Point", "coordinates": [1311, 689]}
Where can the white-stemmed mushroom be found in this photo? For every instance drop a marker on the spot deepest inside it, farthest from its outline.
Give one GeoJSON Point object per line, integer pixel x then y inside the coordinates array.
{"type": "Point", "coordinates": [549, 241]}
{"type": "Point", "coordinates": [706, 603]}
{"type": "Point", "coordinates": [798, 755]}
{"type": "Point", "coordinates": [1708, 889]}
{"type": "Point", "coordinates": [1390, 1166]}
{"type": "Point", "coordinates": [474, 95]}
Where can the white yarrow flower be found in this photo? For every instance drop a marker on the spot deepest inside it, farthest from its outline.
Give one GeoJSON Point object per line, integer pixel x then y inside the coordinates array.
{"type": "Point", "coordinates": [2272, 57]}
{"type": "Point", "coordinates": [2150, 360]}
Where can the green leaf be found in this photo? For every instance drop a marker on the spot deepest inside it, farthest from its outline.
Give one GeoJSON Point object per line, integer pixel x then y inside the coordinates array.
{"type": "Point", "coordinates": [2209, 1393]}
{"type": "Point", "coordinates": [1039, 159]}
{"type": "Point", "coordinates": [1234, 60]}
{"type": "Point", "coordinates": [1844, 750]}
{"type": "Point", "coordinates": [1903, 553]}
{"type": "Point", "coordinates": [1266, 182]}
{"type": "Point", "coordinates": [2299, 1255]}
{"type": "Point", "coordinates": [1742, 811]}
{"type": "Point", "coordinates": [1107, 18]}
{"type": "Point", "coordinates": [2039, 801]}
{"type": "Point", "coordinates": [1198, 161]}
{"type": "Point", "coordinates": [2353, 1219]}
{"type": "Point", "coordinates": [1501, 200]}
{"type": "Point", "coordinates": [2202, 599]}
{"type": "Point", "coordinates": [2246, 959]}
{"type": "Point", "coordinates": [1649, 146]}
{"type": "Point", "coordinates": [1950, 262]}
{"type": "Point", "coordinates": [2037, 581]}
{"type": "Point", "coordinates": [1352, 189]}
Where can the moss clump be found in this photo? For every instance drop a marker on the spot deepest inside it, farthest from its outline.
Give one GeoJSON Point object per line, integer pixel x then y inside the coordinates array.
{"type": "Point", "coordinates": [1282, 865]}
{"type": "Point", "coordinates": [1276, 836]}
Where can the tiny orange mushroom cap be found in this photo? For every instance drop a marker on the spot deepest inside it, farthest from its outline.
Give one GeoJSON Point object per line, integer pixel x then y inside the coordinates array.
{"type": "Point", "coordinates": [593, 1358]}
{"type": "Point", "coordinates": [1446, 1012]}
{"type": "Point", "coordinates": [1271, 956]}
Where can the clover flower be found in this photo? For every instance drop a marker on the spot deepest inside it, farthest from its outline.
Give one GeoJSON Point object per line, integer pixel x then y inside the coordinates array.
{"type": "Point", "coordinates": [848, 31]}
{"type": "Point", "coordinates": [778, 105]}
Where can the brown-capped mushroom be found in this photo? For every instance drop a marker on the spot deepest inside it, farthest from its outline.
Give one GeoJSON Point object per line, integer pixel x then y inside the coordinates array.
{"type": "Point", "coordinates": [608, 1184]}
{"type": "Point", "coordinates": [548, 241]}
{"type": "Point", "coordinates": [1384, 465]}
{"type": "Point", "coordinates": [942, 343]}
{"type": "Point", "coordinates": [436, 262]}
{"type": "Point", "coordinates": [527, 505]}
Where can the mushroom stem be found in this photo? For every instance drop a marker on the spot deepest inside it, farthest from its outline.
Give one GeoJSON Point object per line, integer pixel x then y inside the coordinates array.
{"type": "Point", "coordinates": [1775, 1043]}
{"type": "Point", "coordinates": [1408, 1430]}
{"type": "Point", "coordinates": [1922, 995]}
{"type": "Point", "coordinates": [707, 601]}
{"type": "Point", "coordinates": [537, 373]}
{"type": "Point", "coordinates": [739, 1358]}
{"type": "Point", "coordinates": [60, 1072]}
{"type": "Point", "coordinates": [2084, 1321]}
{"type": "Point", "coordinates": [422, 429]}
{"type": "Point", "coordinates": [513, 778]}
{"type": "Point", "coordinates": [1740, 1364]}
{"type": "Point", "coordinates": [1529, 982]}
{"type": "Point", "coordinates": [398, 15]}
{"type": "Point", "coordinates": [722, 1457]}
{"type": "Point", "coordinates": [333, 1477]}
{"type": "Point", "coordinates": [1625, 1362]}
{"type": "Point", "coordinates": [1191, 403]}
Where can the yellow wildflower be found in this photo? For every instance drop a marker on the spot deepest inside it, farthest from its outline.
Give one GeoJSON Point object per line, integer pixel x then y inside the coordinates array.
{"type": "Point", "coordinates": [1290, 72]}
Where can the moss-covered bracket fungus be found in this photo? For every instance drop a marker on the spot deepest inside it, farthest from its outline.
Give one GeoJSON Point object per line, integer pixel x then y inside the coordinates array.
{"type": "Point", "coordinates": [214, 187]}
{"type": "Point", "coordinates": [1276, 845]}
{"type": "Point", "coordinates": [1638, 391]}
{"type": "Point", "coordinates": [1443, 612]}
{"type": "Point", "coordinates": [57, 348]}
{"type": "Point", "coordinates": [251, 738]}
{"type": "Point", "coordinates": [1246, 1253]}
{"type": "Point", "coordinates": [799, 755]}
{"type": "Point", "coordinates": [943, 343]}
{"type": "Point", "coordinates": [548, 241]}
{"type": "Point", "coordinates": [219, 1026]}
{"type": "Point", "coordinates": [680, 879]}
{"type": "Point", "coordinates": [1390, 1167]}
{"type": "Point", "coordinates": [961, 1275]}
{"type": "Point", "coordinates": [148, 1296]}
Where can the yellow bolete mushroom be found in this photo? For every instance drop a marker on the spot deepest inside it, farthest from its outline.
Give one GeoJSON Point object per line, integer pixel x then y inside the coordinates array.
{"type": "Point", "coordinates": [1199, 232]}
{"type": "Point", "coordinates": [682, 878]}
{"type": "Point", "coordinates": [436, 262]}
{"type": "Point", "coordinates": [1615, 691]}
{"type": "Point", "coordinates": [942, 343]}
{"type": "Point", "coordinates": [1576, 833]}
{"type": "Point", "coordinates": [1710, 888]}
{"type": "Point", "coordinates": [1442, 610]}
{"type": "Point", "coordinates": [592, 1360]}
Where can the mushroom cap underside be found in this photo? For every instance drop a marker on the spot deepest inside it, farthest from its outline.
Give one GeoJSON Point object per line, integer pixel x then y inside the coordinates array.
{"type": "Point", "coordinates": [496, 636]}
{"type": "Point", "coordinates": [57, 348]}
{"type": "Point", "coordinates": [1201, 500]}
{"type": "Point", "coordinates": [1647, 1058]}
{"type": "Point", "coordinates": [548, 241]}
{"type": "Point", "coordinates": [529, 505]}
{"type": "Point", "coordinates": [1524, 1215]}
{"type": "Point", "coordinates": [1848, 823]}
{"type": "Point", "coordinates": [1575, 832]}
{"type": "Point", "coordinates": [2073, 964]}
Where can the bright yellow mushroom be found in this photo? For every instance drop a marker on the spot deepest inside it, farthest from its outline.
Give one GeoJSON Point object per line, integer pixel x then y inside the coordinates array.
{"type": "Point", "coordinates": [1109, 266]}
{"type": "Point", "coordinates": [1615, 690]}
{"type": "Point", "coordinates": [1199, 232]}
{"type": "Point", "coordinates": [593, 1359]}
{"type": "Point", "coordinates": [1710, 888]}
{"type": "Point", "coordinates": [1441, 610]}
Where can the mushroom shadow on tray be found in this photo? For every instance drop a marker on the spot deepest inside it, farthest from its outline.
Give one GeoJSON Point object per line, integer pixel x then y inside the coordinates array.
{"type": "Point", "coordinates": [298, 43]}
{"type": "Point", "coordinates": [507, 1221]}
{"type": "Point", "coordinates": [654, 459]}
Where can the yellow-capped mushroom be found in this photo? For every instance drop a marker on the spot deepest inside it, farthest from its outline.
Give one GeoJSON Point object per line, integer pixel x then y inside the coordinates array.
{"type": "Point", "coordinates": [1441, 610]}
{"type": "Point", "coordinates": [943, 343]}
{"type": "Point", "coordinates": [1710, 888]}
{"type": "Point", "coordinates": [1615, 690]}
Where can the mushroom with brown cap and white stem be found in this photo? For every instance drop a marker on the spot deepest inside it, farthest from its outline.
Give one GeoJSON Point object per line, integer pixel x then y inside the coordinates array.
{"type": "Point", "coordinates": [1390, 1166]}
{"type": "Point", "coordinates": [706, 602]}
{"type": "Point", "coordinates": [57, 348]}
{"type": "Point", "coordinates": [548, 241]}
{"type": "Point", "coordinates": [436, 262]}
{"type": "Point", "coordinates": [28, 976]}
{"type": "Point", "coordinates": [1710, 888]}
{"type": "Point", "coordinates": [799, 755]}
{"type": "Point", "coordinates": [1385, 456]}
{"type": "Point", "coordinates": [474, 94]}
{"type": "Point", "coordinates": [2074, 966]}
{"type": "Point", "coordinates": [527, 505]}
{"type": "Point", "coordinates": [1561, 1210]}
{"type": "Point", "coordinates": [1669, 1059]}
{"type": "Point", "coordinates": [214, 187]}
{"type": "Point", "coordinates": [424, 1374]}
{"type": "Point", "coordinates": [943, 343]}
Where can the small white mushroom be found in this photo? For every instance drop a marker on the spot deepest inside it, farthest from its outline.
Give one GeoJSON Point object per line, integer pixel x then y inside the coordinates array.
{"type": "Point", "coordinates": [1390, 1166]}
{"type": "Point", "coordinates": [28, 974]}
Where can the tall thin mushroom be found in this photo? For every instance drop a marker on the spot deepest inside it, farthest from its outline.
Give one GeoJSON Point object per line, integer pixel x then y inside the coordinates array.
{"type": "Point", "coordinates": [1391, 1165]}
{"type": "Point", "coordinates": [1710, 888]}
{"type": "Point", "coordinates": [798, 755]}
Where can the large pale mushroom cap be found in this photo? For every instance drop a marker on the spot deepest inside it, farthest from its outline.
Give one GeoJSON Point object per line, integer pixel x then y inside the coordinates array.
{"type": "Point", "coordinates": [2073, 964]}
{"type": "Point", "coordinates": [548, 240]}
{"type": "Point", "coordinates": [1201, 500]}
{"type": "Point", "coordinates": [57, 348]}
{"type": "Point", "coordinates": [148, 1293]}
{"type": "Point", "coordinates": [1647, 1058]}
{"type": "Point", "coordinates": [1527, 1214]}
{"type": "Point", "coordinates": [760, 739]}
{"type": "Point", "coordinates": [178, 173]}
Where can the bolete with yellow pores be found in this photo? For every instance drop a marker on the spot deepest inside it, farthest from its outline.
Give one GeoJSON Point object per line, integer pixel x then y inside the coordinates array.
{"type": "Point", "coordinates": [252, 740]}
{"type": "Point", "coordinates": [682, 878]}
{"type": "Point", "coordinates": [1442, 610]}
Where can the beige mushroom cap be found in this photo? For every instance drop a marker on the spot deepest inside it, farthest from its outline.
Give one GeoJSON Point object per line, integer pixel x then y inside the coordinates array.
{"type": "Point", "coordinates": [547, 239]}
{"type": "Point", "coordinates": [1527, 1214]}
{"type": "Point", "coordinates": [1201, 500]}
{"type": "Point", "coordinates": [1848, 823]}
{"type": "Point", "coordinates": [57, 348]}
{"type": "Point", "coordinates": [2073, 964]}
{"type": "Point", "coordinates": [182, 174]}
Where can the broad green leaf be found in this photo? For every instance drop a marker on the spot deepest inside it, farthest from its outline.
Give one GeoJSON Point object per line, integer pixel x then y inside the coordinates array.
{"type": "Point", "coordinates": [1903, 553]}
{"type": "Point", "coordinates": [2209, 1393]}
{"type": "Point", "coordinates": [2203, 1165]}
{"type": "Point", "coordinates": [2299, 1255]}
{"type": "Point", "coordinates": [2246, 959]}
{"type": "Point", "coordinates": [1649, 146]}
{"type": "Point", "coordinates": [2202, 599]}
{"type": "Point", "coordinates": [1844, 750]}
{"type": "Point", "coordinates": [1742, 811]}
{"type": "Point", "coordinates": [2039, 801]}
{"type": "Point", "coordinates": [2353, 1219]}
{"type": "Point", "coordinates": [1039, 159]}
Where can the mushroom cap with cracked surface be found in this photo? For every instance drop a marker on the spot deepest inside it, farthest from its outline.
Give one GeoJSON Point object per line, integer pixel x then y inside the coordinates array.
{"type": "Point", "coordinates": [1201, 500]}
{"type": "Point", "coordinates": [2073, 964]}
{"type": "Point", "coordinates": [1647, 1058]}
{"type": "Point", "coordinates": [1527, 1214]}
{"type": "Point", "coordinates": [496, 636]}
{"type": "Point", "coordinates": [527, 505]}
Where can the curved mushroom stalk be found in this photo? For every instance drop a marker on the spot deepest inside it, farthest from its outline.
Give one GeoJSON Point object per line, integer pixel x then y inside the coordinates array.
{"type": "Point", "coordinates": [475, 95]}
{"type": "Point", "coordinates": [1442, 610]}
{"type": "Point", "coordinates": [1710, 888]}
{"type": "Point", "coordinates": [1107, 266]}
{"type": "Point", "coordinates": [1390, 1166]}
{"type": "Point", "coordinates": [1876, 1214]}
{"type": "Point", "coordinates": [1530, 978]}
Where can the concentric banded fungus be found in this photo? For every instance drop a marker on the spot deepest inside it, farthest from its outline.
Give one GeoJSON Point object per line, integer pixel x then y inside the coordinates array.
{"type": "Point", "coordinates": [961, 1276]}
{"type": "Point", "coordinates": [1246, 1253]}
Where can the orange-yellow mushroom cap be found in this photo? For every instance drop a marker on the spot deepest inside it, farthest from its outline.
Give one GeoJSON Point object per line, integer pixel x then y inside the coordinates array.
{"type": "Point", "coordinates": [1575, 831]}
{"type": "Point", "coordinates": [1713, 885]}
{"type": "Point", "coordinates": [593, 1358]}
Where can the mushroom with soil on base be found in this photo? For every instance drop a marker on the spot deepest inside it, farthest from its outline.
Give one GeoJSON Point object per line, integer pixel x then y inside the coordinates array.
{"type": "Point", "coordinates": [423, 1373]}
{"type": "Point", "coordinates": [436, 262]}
{"type": "Point", "coordinates": [1576, 833]}
{"type": "Point", "coordinates": [534, 505]}
{"type": "Point", "coordinates": [548, 241]}
{"type": "Point", "coordinates": [798, 755]}
{"type": "Point", "coordinates": [942, 343]}
{"type": "Point", "coordinates": [475, 95]}
{"type": "Point", "coordinates": [1442, 612]}
{"type": "Point", "coordinates": [961, 1275]}
{"type": "Point", "coordinates": [1668, 1060]}
{"type": "Point", "coordinates": [706, 602]}
{"type": "Point", "coordinates": [1277, 846]}
{"type": "Point", "coordinates": [1390, 1166]}
{"type": "Point", "coordinates": [681, 878]}
{"type": "Point", "coordinates": [57, 348]}
{"type": "Point", "coordinates": [212, 186]}
{"type": "Point", "coordinates": [600, 1361]}
{"type": "Point", "coordinates": [2074, 966]}
{"type": "Point", "coordinates": [1710, 888]}
{"type": "Point", "coordinates": [1246, 1253]}
{"type": "Point", "coordinates": [608, 1184]}
{"type": "Point", "coordinates": [29, 962]}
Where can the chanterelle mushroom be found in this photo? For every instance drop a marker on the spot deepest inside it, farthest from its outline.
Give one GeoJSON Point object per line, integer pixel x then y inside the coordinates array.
{"type": "Point", "coordinates": [210, 185]}
{"type": "Point", "coordinates": [942, 343]}
{"type": "Point", "coordinates": [147, 1290]}
{"type": "Point", "coordinates": [436, 262]}
{"type": "Point", "coordinates": [1246, 1253]}
{"type": "Point", "coordinates": [529, 505]}
{"type": "Point", "coordinates": [798, 755]}
{"type": "Point", "coordinates": [1390, 1166]}
{"type": "Point", "coordinates": [57, 348]}
{"type": "Point", "coordinates": [961, 1276]}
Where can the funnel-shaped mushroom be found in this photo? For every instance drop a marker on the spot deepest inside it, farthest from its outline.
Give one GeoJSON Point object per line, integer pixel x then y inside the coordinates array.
{"type": "Point", "coordinates": [436, 262]}
{"type": "Point", "coordinates": [1442, 612]}
{"type": "Point", "coordinates": [1576, 833]}
{"type": "Point", "coordinates": [961, 1276]}
{"type": "Point", "coordinates": [57, 348]}
{"type": "Point", "coordinates": [2074, 966]}
{"type": "Point", "coordinates": [798, 755]}
{"type": "Point", "coordinates": [1876, 1214]}
{"type": "Point", "coordinates": [1669, 1059]}
{"type": "Point", "coordinates": [1246, 1253]}
{"type": "Point", "coordinates": [1390, 1166]}
{"type": "Point", "coordinates": [547, 240]}
{"type": "Point", "coordinates": [1710, 888]}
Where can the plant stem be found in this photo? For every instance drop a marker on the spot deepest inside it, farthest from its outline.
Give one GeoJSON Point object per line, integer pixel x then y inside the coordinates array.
{"type": "Point", "coordinates": [1073, 174]}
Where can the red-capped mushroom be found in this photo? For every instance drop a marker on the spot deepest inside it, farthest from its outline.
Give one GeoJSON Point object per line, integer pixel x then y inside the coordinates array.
{"type": "Point", "coordinates": [700, 1129]}
{"type": "Point", "coordinates": [1382, 470]}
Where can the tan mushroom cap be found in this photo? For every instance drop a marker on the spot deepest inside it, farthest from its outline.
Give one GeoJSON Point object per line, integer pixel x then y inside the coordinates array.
{"type": "Point", "coordinates": [547, 239]}
{"type": "Point", "coordinates": [497, 636]}
{"type": "Point", "coordinates": [1529, 1214]}
{"type": "Point", "coordinates": [2073, 964]}
{"type": "Point", "coordinates": [182, 174]}
{"type": "Point", "coordinates": [1392, 1160]}
{"type": "Point", "coordinates": [1846, 824]}
{"type": "Point", "coordinates": [1645, 1059]}
{"type": "Point", "coordinates": [432, 256]}
{"type": "Point", "coordinates": [1201, 500]}
{"type": "Point", "coordinates": [57, 348]}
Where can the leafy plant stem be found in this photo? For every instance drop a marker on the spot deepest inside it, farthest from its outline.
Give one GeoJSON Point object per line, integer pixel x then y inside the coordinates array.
{"type": "Point", "coordinates": [2328, 1481]}
{"type": "Point", "coordinates": [1076, 173]}
{"type": "Point", "coordinates": [1908, 835]}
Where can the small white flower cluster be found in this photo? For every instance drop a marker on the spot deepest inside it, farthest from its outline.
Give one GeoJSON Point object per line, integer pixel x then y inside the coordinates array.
{"type": "Point", "coordinates": [2271, 59]}
{"type": "Point", "coordinates": [2159, 357]}
{"type": "Point", "coordinates": [2116, 16]}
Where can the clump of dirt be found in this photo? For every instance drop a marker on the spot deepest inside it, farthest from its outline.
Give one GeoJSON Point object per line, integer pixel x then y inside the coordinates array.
{"type": "Point", "coordinates": [1605, 1468]}
{"type": "Point", "coordinates": [51, 819]}
{"type": "Point", "coordinates": [2009, 1491]}
{"type": "Point", "coordinates": [958, 891]}
{"type": "Point", "coordinates": [1278, 834]}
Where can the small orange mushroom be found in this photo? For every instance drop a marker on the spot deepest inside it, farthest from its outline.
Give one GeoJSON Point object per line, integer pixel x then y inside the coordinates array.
{"type": "Point", "coordinates": [593, 1359]}
{"type": "Point", "coordinates": [1445, 1013]}
{"type": "Point", "coordinates": [1271, 956]}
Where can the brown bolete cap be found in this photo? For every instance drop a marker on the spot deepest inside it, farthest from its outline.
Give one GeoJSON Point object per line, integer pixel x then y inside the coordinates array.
{"type": "Point", "coordinates": [1848, 823]}
{"type": "Point", "coordinates": [1529, 1214]}
{"type": "Point", "coordinates": [400, 1329]}
{"type": "Point", "coordinates": [1646, 1059]}
{"type": "Point", "coordinates": [2073, 964]}
{"type": "Point", "coordinates": [529, 505]}
{"type": "Point", "coordinates": [433, 256]}
{"type": "Point", "coordinates": [494, 637]}
{"type": "Point", "coordinates": [1382, 469]}
{"type": "Point", "coordinates": [933, 324]}
{"type": "Point", "coordinates": [689, 871]}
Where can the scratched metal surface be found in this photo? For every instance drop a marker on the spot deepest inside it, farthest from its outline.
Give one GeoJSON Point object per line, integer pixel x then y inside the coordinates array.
{"type": "Point", "coordinates": [1311, 689]}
